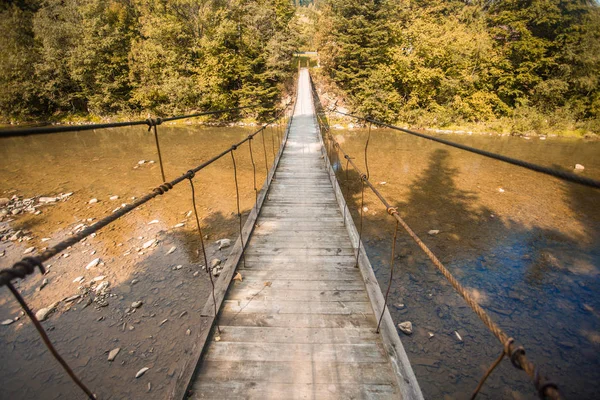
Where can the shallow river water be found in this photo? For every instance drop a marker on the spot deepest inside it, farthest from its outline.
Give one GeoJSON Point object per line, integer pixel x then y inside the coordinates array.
{"type": "Point", "coordinates": [527, 246]}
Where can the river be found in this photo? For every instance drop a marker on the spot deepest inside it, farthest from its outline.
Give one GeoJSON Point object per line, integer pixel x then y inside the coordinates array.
{"type": "Point", "coordinates": [527, 246]}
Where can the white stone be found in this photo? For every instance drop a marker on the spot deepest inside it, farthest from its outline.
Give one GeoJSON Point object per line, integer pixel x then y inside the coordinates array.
{"type": "Point", "coordinates": [113, 353]}
{"type": "Point", "coordinates": [47, 200]}
{"type": "Point", "coordinates": [406, 327]}
{"type": "Point", "coordinates": [93, 263]}
{"type": "Point", "coordinates": [148, 243]}
{"type": "Point", "coordinates": [223, 243]}
{"type": "Point", "coordinates": [98, 278]}
{"type": "Point", "coordinates": [141, 162]}
{"type": "Point", "coordinates": [171, 250]}
{"type": "Point", "coordinates": [137, 304]}
{"type": "Point", "coordinates": [102, 286]}
{"type": "Point", "coordinates": [179, 225]}
{"type": "Point", "coordinates": [433, 232]}
{"type": "Point", "coordinates": [29, 250]}
{"type": "Point", "coordinates": [579, 167]}
{"type": "Point", "coordinates": [141, 372]}
{"type": "Point", "coordinates": [115, 197]}
{"type": "Point", "coordinates": [154, 221]}
{"type": "Point", "coordinates": [177, 267]}
{"type": "Point", "coordinates": [215, 262]}
{"type": "Point", "coordinates": [43, 313]}
{"type": "Point", "coordinates": [79, 279]}
{"type": "Point", "coordinates": [7, 322]}
{"type": "Point", "coordinates": [93, 201]}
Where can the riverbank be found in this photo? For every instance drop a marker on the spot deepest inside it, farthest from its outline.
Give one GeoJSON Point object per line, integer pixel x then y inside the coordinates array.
{"type": "Point", "coordinates": [525, 121]}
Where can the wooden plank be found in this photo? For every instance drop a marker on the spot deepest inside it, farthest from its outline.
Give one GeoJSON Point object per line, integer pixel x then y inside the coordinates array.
{"type": "Point", "coordinates": [259, 334]}
{"type": "Point", "coordinates": [269, 275]}
{"type": "Point", "coordinates": [297, 372]}
{"type": "Point", "coordinates": [296, 307]}
{"type": "Point", "coordinates": [290, 286]}
{"type": "Point", "coordinates": [298, 320]}
{"type": "Point", "coordinates": [235, 389]}
{"type": "Point", "coordinates": [296, 252]}
{"type": "Point", "coordinates": [318, 352]}
{"type": "Point", "coordinates": [268, 293]}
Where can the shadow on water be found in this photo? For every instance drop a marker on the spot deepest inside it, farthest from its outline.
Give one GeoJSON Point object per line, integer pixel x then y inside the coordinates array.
{"type": "Point", "coordinates": [537, 283]}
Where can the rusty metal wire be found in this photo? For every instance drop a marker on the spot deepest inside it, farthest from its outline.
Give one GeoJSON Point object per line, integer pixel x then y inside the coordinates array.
{"type": "Point", "coordinates": [209, 269]}
{"type": "Point", "coordinates": [237, 195]}
{"type": "Point", "coordinates": [272, 142]}
{"type": "Point", "coordinates": [152, 124]}
{"type": "Point", "coordinates": [47, 342]}
{"type": "Point", "coordinates": [492, 367]}
{"type": "Point", "coordinates": [387, 293]}
{"type": "Point", "coordinates": [265, 151]}
{"type": "Point", "coordinates": [90, 127]}
{"type": "Point", "coordinates": [253, 173]}
{"type": "Point", "coordinates": [366, 152]}
{"type": "Point", "coordinates": [563, 175]}
{"type": "Point", "coordinates": [362, 208]}
{"type": "Point", "coordinates": [347, 184]}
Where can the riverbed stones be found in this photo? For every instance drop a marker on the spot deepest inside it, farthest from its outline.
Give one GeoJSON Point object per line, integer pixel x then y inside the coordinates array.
{"type": "Point", "coordinates": [48, 200]}
{"type": "Point", "coordinates": [215, 262]}
{"type": "Point", "coordinates": [137, 304]}
{"type": "Point", "coordinates": [171, 250]}
{"type": "Point", "coordinates": [93, 263]}
{"type": "Point", "coordinates": [579, 167]}
{"type": "Point", "coordinates": [29, 250]}
{"type": "Point", "coordinates": [141, 372]}
{"type": "Point", "coordinates": [43, 313]}
{"type": "Point", "coordinates": [93, 201]}
{"type": "Point", "coordinates": [223, 243]}
{"type": "Point", "coordinates": [148, 243]}
{"type": "Point", "coordinates": [113, 353]}
{"type": "Point", "coordinates": [433, 232]}
{"type": "Point", "coordinates": [406, 327]}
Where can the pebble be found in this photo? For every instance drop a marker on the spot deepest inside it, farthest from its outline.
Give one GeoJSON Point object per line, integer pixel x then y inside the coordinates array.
{"type": "Point", "coordinates": [154, 221]}
{"type": "Point", "coordinates": [4, 201]}
{"type": "Point", "coordinates": [47, 200]}
{"type": "Point", "coordinates": [113, 198]}
{"type": "Point", "coordinates": [501, 190]}
{"type": "Point", "coordinates": [43, 313]}
{"type": "Point", "coordinates": [179, 225]}
{"type": "Point", "coordinates": [579, 167]}
{"type": "Point", "coordinates": [406, 327]}
{"type": "Point", "coordinates": [189, 213]}
{"type": "Point", "coordinates": [196, 273]}
{"type": "Point", "coordinates": [365, 209]}
{"type": "Point", "coordinates": [29, 250]}
{"type": "Point", "coordinates": [460, 339]}
{"type": "Point", "coordinates": [171, 250]}
{"type": "Point", "coordinates": [148, 243]}
{"type": "Point", "coordinates": [216, 272]}
{"type": "Point", "coordinates": [44, 284]}
{"type": "Point", "coordinates": [223, 243]}
{"type": "Point", "coordinates": [164, 321]}
{"type": "Point", "coordinates": [215, 262]}
{"type": "Point", "coordinates": [188, 332]}
{"type": "Point", "coordinates": [177, 267]}
{"type": "Point", "coordinates": [93, 201]}
{"type": "Point", "coordinates": [98, 278]}
{"type": "Point", "coordinates": [433, 232]}
{"type": "Point", "coordinates": [93, 263]}
{"type": "Point", "coordinates": [72, 298]}
{"type": "Point", "coordinates": [141, 162]}
{"type": "Point", "coordinates": [133, 282]}
{"type": "Point", "coordinates": [137, 304]}
{"type": "Point", "coordinates": [7, 322]}
{"type": "Point", "coordinates": [431, 335]}
{"type": "Point", "coordinates": [113, 353]}
{"type": "Point", "coordinates": [102, 286]}
{"type": "Point", "coordinates": [141, 372]}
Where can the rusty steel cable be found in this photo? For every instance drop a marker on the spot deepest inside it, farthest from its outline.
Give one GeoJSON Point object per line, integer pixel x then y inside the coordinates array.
{"type": "Point", "coordinates": [273, 143]}
{"type": "Point", "coordinates": [90, 127]}
{"type": "Point", "coordinates": [347, 184]}
{"type": "Point", "coordinates": [362, 208]}
{"type": "Point", "coordinates": [387, 292]}
{"type": "Point", "coordinates": [563, 175]}
{"type": "Point", "coordinates": [366, 152]}
{"type": "Point", "coordinates": [209, 269]}
{"type": "Point", "coordinates": [48, 343]}
{"type": "Point", "coordinates": [152, 124]}
{"type": "Point", "coordinates": [253, 174]}
{"type": "Point", "coordinates": [265, 151]}
{"type": "Point", "coordinates": [237, 196]}
{"type": "Point", "coordinates": [516, 354]}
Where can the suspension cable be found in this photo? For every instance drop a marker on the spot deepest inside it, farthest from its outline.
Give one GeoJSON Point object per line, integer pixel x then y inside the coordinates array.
{"type": "Point", "coordinates": [563, 175]}
{"type": "Point", "coordinates": [90, 127]}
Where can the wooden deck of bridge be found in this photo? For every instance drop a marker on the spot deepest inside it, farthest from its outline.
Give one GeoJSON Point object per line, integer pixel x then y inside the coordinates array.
{"type": "Point", "coordinates": [301, 323]}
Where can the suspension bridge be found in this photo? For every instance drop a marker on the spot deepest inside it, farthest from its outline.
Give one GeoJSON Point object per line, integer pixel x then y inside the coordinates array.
{"type": "Point", "coordinates": [297, 311]}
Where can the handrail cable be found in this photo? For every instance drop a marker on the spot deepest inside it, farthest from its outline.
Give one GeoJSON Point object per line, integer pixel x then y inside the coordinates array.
{"type": "Point", "coordinates": [563, 175]}
{"type": "Point", "coordinates": [89, 127]}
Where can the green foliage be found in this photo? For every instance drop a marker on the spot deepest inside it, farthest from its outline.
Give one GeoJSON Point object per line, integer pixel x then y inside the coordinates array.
{"type": "Point", "coordinates": [465, 61]}
{"type": "Point", "coordinates": [107, 57]}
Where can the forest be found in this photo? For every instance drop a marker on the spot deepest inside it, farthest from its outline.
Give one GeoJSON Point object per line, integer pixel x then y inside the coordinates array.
{"type": "Point", "coordinates": [517, 65]}
{"type": "Point", "coordinates": [512, 65]}
{"type": "Point", "coordinates": [105, 58]}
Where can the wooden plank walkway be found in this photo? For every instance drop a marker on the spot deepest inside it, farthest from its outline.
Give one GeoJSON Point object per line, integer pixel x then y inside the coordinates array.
{"type": "Point", "coordinates": [301, 324]}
